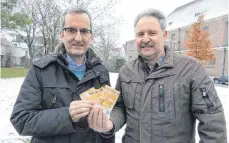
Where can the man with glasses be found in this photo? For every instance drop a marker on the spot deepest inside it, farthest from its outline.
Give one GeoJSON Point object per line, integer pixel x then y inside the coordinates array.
{"type": "Point", "coordinates": [48, 107]}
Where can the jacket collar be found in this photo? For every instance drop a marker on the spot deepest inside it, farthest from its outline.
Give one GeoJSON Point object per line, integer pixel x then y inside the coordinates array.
{"type": "Point", "coordinates": [166, 63]}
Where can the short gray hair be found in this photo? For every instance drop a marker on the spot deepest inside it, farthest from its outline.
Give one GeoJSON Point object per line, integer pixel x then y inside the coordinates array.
{"type": "Point", "coordinates": [75, 9]}
{"type": "Point", "coordinates": [152, 13]}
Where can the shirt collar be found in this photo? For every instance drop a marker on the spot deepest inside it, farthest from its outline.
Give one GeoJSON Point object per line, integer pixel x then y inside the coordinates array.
{"type": "Point", "coordinates": [158, 63]}
{"type": "Point", "coordinates": [71, 62]}
{"type": "Point", "coordinates": [161, 59]}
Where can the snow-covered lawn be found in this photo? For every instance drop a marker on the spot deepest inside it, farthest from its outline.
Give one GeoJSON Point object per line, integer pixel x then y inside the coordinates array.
{"type": "Point", "coordinates": [9, 90]}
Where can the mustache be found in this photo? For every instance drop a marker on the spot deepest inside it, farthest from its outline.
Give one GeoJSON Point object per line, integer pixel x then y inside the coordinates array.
{"type": "Point", "coordinates": [78, 44]}
{"type": "Point", "coordinates": [148, 44]}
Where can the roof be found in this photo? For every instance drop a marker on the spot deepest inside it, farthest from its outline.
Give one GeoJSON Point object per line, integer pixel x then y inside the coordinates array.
{"type": "Point", "coordinates": [187, 14]}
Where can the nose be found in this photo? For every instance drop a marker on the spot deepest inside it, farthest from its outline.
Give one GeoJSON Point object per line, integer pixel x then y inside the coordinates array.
{"type": "Point", "coordinates": [146, 38]}
{"type": "Point", "coordinates": [78, 36]}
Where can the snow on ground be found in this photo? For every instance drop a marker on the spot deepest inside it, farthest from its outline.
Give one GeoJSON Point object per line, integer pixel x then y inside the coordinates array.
{"type": "Point", "coordinates": [9, 89]}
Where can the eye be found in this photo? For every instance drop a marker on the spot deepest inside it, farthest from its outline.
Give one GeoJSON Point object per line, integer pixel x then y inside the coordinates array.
{"type": "Point", "coordinates": [152, 33]}
{"type": "Point", "coordinates": [71, 30]}
{"type": "Point", "coordinates": [84, 31]}
{"type": "Point", "coordinates": [140, 34]}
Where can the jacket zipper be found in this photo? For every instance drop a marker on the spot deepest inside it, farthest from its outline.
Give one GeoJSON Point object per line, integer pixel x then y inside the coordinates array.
{"type": "Point", "coordinates": [206, 97]}
{"type": "Point", "coordinates": [161, 98]}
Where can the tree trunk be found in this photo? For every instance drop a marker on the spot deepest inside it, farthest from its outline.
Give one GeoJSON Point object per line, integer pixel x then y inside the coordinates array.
{"type": "Point", "coordinates": [30, 55]}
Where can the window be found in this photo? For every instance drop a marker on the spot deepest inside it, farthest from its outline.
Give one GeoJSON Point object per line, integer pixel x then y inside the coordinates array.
{"type": "Point", "coordinates": [206, 28]}
{"type": "Point", "coordinates": [212, 63]}
{"type": "Point", "coordinates": [186, 33]}
{"type": "Point", "coordinates": [170, 23]}
{"type": "Point", "coordinates": [197, 14]}
{"type": "Point", "coordinates": [173, 36]}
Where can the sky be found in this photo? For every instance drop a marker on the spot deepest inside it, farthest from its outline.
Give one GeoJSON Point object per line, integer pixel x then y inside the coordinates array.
{"type": "Point", "coordinates": [128, 9]}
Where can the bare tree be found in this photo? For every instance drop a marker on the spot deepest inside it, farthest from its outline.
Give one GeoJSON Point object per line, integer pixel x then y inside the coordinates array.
{"type": "Point", "coordinates": [50, 20]}
{"type": "Point", "coordinates": [29, 30]}
{"type": "Point", "coordinates": [41, 19]}
{"type": "Point", "coordinates": [7, 59]}
{"type": "Point", "coordinates": [106, 42]}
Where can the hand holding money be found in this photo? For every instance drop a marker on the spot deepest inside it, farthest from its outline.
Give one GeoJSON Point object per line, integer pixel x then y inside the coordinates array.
{"type": "Point", "coordinates": [98, 120]}
{"type": "Point", "coordinates": [79, 109]}
{"type": "Point", "coordinates": [104, 99]}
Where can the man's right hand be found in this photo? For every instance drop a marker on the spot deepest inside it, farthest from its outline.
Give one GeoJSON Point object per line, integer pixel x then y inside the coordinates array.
{"type": "Point", "coordinates": [79, 109]}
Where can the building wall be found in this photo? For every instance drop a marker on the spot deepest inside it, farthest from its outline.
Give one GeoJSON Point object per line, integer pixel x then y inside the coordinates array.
{"type": "Point", "coordinates": [217, 28]}
{"type": "Point", "coordinates": [131, 50]}
{"type": "Point", "coordinates": [215, 68]}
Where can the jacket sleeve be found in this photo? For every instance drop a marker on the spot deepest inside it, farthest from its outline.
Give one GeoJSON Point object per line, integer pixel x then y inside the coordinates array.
{"type": "Point", "coordinates": [118, 114]}
{"type": "Point", "coordinates": [207, 108]}
{"type": "Point", "coordinates": [28, 118]}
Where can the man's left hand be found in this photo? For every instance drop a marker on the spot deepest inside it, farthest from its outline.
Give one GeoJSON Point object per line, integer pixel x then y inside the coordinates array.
{"type": "Point", "coordinates": [98, 121]}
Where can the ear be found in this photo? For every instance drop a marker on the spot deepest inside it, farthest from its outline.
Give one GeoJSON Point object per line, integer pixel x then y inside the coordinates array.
{"type": "Point", "coordinates": [91, 38]}
{"type": "Point", "coordinates": [61, 36]}
{"type": "Point", "coordinates": [165, 34]}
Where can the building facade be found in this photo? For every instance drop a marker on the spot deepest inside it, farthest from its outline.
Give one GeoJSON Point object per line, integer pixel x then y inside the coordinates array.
{"type": "Point", "coordinates": [15, 52]}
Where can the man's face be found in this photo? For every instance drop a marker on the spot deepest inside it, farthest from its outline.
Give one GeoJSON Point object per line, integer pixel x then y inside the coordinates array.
{"type": "Point", "coordinates": [77, 36]}
{"type": "Point", "coordinates": [149, 38]}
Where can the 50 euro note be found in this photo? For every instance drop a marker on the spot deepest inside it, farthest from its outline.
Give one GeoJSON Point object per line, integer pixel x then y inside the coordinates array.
{"type": "Point", "coordinates": [105, 97]}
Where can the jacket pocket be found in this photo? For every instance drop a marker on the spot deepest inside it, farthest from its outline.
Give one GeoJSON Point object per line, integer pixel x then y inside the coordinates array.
{"type": "Point", "coordinates": [165, 103]}
{"type": "Point", "coordinates": [206, 97]}
{"type": "Point", "coordinates": [176, 102]}
{"type": "Point", "coordinates": [209, 96]}
{"type": "Point", "coordinates": [128, 92]}
{"type": "Point", "coordinates": [56, 97]}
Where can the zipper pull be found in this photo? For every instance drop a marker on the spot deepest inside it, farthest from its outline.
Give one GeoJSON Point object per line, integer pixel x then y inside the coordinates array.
{"type": "Point", "coordinates": [204, 94]}
{"type": "Point", "coordinates": [54, 100]}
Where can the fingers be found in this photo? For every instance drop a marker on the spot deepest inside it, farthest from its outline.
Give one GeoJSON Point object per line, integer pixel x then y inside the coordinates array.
{"type": "Point", "coordinates": [80, 108]}
{"type": "Point", "coordinates": [79, 111]}
{"type": "Point", "coordinates": [97, 120]}
{"type": "Point", "coordinates": [89, 118]}
{"type": "Point", "coordinates": [105, 121]}
{"type": "Point", "coordinates": [92, 118]}
{"type": "Point", "coordinates": [81, 104]}
{"type": "Point", "coordinates": [78, 116]}
{"type": "Point", "coordinates": [82, 101]}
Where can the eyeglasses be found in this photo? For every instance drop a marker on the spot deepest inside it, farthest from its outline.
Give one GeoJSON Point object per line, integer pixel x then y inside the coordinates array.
{"type": "Point", "coordinates": [72, 31]}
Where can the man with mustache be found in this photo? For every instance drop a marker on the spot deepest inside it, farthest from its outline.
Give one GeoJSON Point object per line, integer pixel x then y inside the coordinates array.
{"type": "Point", "coordinates": [49, 107]}
{"type": "Point", "coordinates": [163, 94]}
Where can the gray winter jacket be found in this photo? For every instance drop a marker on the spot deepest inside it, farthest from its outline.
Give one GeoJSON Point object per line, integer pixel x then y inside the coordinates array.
{"type": "Point", "coordinates": [162, 106]}
{"type": "Point", "coordinates": [42, 106]}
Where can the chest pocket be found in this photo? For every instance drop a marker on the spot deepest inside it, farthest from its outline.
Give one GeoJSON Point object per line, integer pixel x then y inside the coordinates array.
{"type": "Point", "coordinates": [166, 102]}
{"type": "Point", "coordinates": [131, 92]}
{"type": "Point", "coordinates": [56, 97]}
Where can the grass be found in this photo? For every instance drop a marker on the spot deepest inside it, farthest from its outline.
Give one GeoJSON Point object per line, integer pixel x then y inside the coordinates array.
{"type": "Point", "coordinates": [13, 72]}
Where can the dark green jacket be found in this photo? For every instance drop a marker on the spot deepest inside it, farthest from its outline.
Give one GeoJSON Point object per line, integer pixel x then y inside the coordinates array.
{"type": "Point", "coordinates": [162, 106]}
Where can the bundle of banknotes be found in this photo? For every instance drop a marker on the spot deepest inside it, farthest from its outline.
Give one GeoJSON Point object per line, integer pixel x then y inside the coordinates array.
{"type": "Point", "coordinates": [105, 97]}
